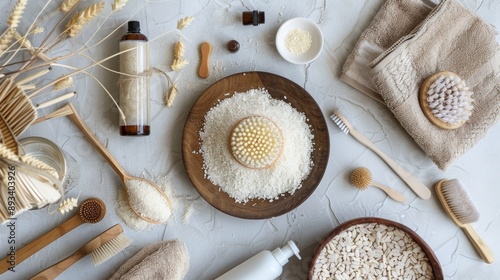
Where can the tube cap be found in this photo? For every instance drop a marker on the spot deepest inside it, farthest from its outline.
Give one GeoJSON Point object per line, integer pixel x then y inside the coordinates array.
{"type": "Point", "coordinates": [283, 254]}
{"type": "Point", "coordinates": [134, 26]}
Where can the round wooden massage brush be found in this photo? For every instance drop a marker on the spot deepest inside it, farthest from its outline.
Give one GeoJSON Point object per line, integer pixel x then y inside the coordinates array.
{"type": "Point", "coordinates": [446, 100]}
{"type": "Point", "coordinates": [91, 211]}
{"type": "Point", "coordinates": [256, 142]}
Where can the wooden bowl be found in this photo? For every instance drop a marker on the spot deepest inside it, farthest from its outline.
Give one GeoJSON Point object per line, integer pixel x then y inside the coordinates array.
{"type": "Point", "coordinates": [279, 88]}
{"type": "Point", "coordinates": [433, 260]}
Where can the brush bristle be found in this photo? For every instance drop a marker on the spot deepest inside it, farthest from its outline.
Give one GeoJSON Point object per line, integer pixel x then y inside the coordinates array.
{"type": "Point", "coordinates": [459, 202]}
{"type": "Point", "coordinates": [110, 249]}
{"type": "Point", "coordinates": [361, 178]}
{"type": "Point", "coordinates": [340, 123]}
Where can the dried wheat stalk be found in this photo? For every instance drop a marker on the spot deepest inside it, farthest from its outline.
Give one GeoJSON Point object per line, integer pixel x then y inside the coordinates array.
{"type": "Point", "coordinates": [67, 5]}
{"type": "Point", "coordinates": [77, 22]}
{"type": "Point", "coordinates": [17, 13]}
{"type": "Point", "coordinates": [179, 63]}
{"type": "Point", "coordinates": [171, 96]}
{"type": "Point", "coordinates": [6, 40]}
{"type": "Point", "coordinates": [179, 49]}
{"type": "Point", "coordinates": [184, 22]}
{"type": "Point", "coordinates": [118, 4]}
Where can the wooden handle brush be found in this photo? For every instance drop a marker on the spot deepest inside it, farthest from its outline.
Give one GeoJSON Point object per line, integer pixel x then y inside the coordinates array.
{"type": "Point", "coordinates": [420, 189]}
{"type": "Point", "coordinates": [91, 211]}
{"type": "Point", "coordinates": [361, 178]}
{"type": "Point", "coordinates": [461, 210]}
{"type": "Point", "coordinates": [101, 248]}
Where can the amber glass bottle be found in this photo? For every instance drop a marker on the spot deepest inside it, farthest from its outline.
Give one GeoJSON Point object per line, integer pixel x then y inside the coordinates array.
{"type": "Point", "coordinates": [134, 82]}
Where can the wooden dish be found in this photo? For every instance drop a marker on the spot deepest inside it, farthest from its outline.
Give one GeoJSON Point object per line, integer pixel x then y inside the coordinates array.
{"type": "Point", "coordinates": [279, 88]}
{"type": "Point", "coordinates": [424, 105]}
{"type": "Point", "coordinates": [433, 260]}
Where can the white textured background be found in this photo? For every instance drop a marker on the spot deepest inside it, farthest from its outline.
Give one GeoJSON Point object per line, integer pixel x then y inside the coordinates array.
{"type": "Point", "coordinates": [216, 241]}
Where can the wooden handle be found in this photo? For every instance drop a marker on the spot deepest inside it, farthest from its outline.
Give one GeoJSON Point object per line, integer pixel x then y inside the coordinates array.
{"type": "Point", "coordinates": [97, 144]}
{"type": "Point", "coordinates": [481, 247]}
{"type": "Point", "coordinates": [397, 196]}
{"type": "Point", "coordinates": [58, 268]}
{"type": "Point", "coordinates": [204, 70]}
{"type": "Point", "coordinates": [42, 241]}
{"type": "Point", "coordinates": [53, 271]}
{"type": "Point", "coordinates": [420, 189]}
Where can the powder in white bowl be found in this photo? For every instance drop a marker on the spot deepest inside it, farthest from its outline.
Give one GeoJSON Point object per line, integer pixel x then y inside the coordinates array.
{"type": "Point", "coordinates": [243, 183]}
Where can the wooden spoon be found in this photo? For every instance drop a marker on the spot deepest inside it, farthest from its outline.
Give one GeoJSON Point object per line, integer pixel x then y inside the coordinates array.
{"type": "Point", "coordinates": [124, 176]}
{"type": "Point", "coordinates": [205, 50]}
{"type": "Point", "coordinates": [91, 210]}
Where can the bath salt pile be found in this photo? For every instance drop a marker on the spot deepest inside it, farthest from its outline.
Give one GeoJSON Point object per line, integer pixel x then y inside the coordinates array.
{"type": "Point", "coordinates": [243, 183]}
{"type": "Point", "coordinates": [372, 251]}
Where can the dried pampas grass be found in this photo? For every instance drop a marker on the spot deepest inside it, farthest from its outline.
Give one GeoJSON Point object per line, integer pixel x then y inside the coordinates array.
{"type": "Point", "coordinates": [184, 22]}
{"type": "Point", "coordinates": [77, 22]}
{"type": "Point", "coordinates": [17, 13]}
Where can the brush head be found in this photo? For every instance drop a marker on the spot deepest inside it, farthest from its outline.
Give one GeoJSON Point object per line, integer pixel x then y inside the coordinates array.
{"type": "Point", "coordinates": [361, 178]}
{"type": "Point", "coordinates": [92, 210]}
{"type": "Point", "coordinates": [340, 121]}
{"type": "Point", "coordinates": [456, 202]}
{"type": "Point", "coordinates": [110, 249]}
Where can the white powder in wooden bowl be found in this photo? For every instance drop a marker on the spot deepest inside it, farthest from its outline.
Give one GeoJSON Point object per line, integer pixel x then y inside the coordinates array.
{"type": "Point", "coordinates": [243, 183]}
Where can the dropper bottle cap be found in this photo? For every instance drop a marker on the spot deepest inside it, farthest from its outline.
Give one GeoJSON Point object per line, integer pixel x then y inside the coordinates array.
{"type": "Point", "coordinates": [134, 26]}
{"type": "Point", "coordinates": [283, 254]}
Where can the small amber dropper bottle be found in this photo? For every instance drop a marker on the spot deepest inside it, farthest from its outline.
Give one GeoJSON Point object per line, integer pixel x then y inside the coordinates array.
{"type": "Point", "coordinates": [254, 18]}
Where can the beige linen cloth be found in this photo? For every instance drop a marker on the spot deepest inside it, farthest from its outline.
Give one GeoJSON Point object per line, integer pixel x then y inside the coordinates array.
{"type": "Point", "coordinates": [450, 38]}
{"type": "Point", "coordinates": [167, 260]}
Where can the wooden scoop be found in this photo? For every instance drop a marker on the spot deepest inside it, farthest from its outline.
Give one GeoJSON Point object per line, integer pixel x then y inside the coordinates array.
{"type": "Point", "coordinates": [204, 70]}
{"type": "Point", "coordinates": [124, 176]}
{"type": "Point", "coordinates": [91, 210]}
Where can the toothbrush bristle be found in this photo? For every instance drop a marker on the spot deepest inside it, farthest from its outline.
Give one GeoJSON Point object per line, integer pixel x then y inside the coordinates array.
{"type": "Point", "coordinates": [110, 249]}
{"type": "Point", "coordinates": [340, 123]}
{"type": "Point", "coordinates": [459, 202]}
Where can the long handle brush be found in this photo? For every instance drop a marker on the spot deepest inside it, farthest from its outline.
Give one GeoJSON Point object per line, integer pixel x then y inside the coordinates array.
{"type": "Point", "coordinates": [459, 207]}
{"type": "Point", "coordinates": [101, 248]}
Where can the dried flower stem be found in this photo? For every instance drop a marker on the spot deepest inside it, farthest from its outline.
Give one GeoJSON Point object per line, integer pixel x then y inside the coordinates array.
{"type": "Point", "coordinates": [68, 5]}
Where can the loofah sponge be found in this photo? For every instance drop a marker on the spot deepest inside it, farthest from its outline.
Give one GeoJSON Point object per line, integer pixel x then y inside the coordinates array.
{"type": "Point", "coordinates": [164, 260]}
{"type": "Point", "coordinates": [256, 142]}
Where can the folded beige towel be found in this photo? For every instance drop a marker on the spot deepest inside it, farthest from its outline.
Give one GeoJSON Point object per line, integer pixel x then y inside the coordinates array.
{"type": "Point", "coordinates": [394, 20]}
{"type": "Point", "coordinates": [451, 38]}
{"type": "Point", "coordinates": [168, 260]}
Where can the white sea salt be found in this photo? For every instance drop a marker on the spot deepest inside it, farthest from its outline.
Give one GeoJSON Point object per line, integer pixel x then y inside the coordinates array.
{"type": "Point", "coordinates": [242, 183]}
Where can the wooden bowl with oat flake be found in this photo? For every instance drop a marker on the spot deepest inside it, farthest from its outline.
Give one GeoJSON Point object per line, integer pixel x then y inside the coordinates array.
{"type": "Point", "coordinates": [374, 248]}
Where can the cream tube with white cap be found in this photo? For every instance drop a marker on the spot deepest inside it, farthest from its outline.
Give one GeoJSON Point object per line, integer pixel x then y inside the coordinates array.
{"type": "Point", "coordinates": [266, 265]}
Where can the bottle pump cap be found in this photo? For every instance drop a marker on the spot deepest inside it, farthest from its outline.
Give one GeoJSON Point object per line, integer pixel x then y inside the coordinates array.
{"type": "Point", "coordinates": [134, 26]}
{"type": "Point", "coordinates": [283, 254]}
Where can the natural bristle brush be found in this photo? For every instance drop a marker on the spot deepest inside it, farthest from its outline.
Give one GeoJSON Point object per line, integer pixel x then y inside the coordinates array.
{"type": "Point", "coordinates": [101, 248]}
{"type": "Point", "coordinates": [91, 211]}
{"type": "Point", "coordinates": [461, 210]}
{"type": "Point", "coordinates": [420, 189]}
{"type": "Point", "coordinates": [361, 178]}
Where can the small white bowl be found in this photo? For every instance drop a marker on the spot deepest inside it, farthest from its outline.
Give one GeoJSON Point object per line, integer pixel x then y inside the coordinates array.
{"type": "Point", "coordinates": [316, 40]}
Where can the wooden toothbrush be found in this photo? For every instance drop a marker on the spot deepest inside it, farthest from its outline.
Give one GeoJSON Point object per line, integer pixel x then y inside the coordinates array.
{"type": "Point", "coordinates": [101, 248]}
{"type": "Point", "coordinates": [420, 189]}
